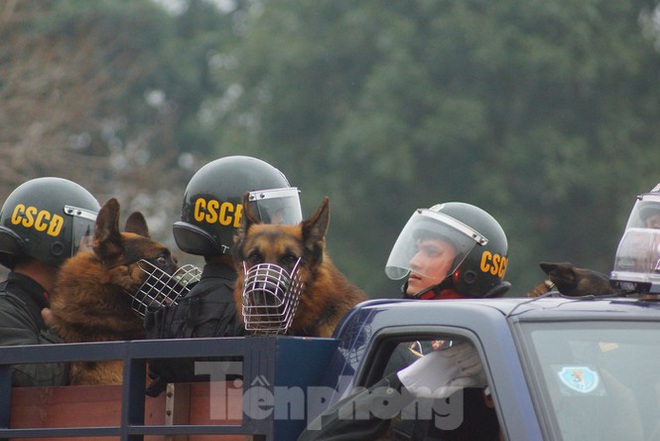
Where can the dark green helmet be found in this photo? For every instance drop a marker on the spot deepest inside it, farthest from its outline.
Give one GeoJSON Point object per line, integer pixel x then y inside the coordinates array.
{"type": "Point", "coordinates": [45, 219]}
{"type": "Point", "coordinates": [213, 202]}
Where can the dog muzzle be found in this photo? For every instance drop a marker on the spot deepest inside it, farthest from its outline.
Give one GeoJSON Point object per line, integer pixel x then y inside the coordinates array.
{"type": "Point", "coordinates": [161, 288]}
{"type": "Point", "coordinates": [270, 298]}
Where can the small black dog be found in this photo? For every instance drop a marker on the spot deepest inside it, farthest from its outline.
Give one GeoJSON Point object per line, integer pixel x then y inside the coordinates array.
{"type": "Point", "coordinates": [572, 281]}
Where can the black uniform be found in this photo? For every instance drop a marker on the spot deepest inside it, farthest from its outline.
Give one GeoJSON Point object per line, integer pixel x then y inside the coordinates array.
{"type": "Point", "coordinates": [208, 310]}
{"type": "Point", "coordinates": [21, 302]}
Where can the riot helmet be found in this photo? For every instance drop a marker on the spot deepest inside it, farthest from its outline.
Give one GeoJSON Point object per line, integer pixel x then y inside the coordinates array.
{"type": "Point", "coordinates": [637, 261]}
{"type": "Point", "coordinates": [46, 219]}
{"type": "Point", "coordinates": [646, 211]}
{"type": "Point", "coordinates": [213, 203]}
{"type": "Point", "coordinates": [467, 243]}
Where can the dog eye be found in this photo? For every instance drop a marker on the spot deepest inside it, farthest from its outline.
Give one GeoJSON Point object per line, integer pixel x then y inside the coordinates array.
{"type": "Point", "coordinates": [288, 260]}
{"type": "Point", "coordinates": [162, 261]}
{"type": "Point", "coordinates": [254, 259]}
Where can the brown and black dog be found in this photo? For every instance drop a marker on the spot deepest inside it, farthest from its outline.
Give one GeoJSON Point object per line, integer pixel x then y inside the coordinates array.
{"type": "Point", "coordinates": [326, 294]}
{"type": "Point", "coordinates": [91, 301]}
{"type": "Point", "coordinates": [571, 281]}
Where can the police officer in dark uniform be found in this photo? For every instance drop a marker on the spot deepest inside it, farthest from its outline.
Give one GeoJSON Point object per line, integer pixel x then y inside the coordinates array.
{"type": "Point", "coordinates": [448, 251]}
{"type": "Point", "coordinates": [42, 223]}
{"type": "Point", "coordinates": [210, 216]}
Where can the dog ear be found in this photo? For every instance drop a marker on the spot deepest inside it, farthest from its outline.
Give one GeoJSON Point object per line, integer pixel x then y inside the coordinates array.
{"type": "Point", "coordinates": [137, 224]}
{"type": "Point", "coordinates": [248, 218]}
{"type": "Point", "coordinates": [561, 273]}
{"type": "Point", "coordinates": [249, 215]}
{"type": "Point", "coordinates": [548, 266]}
{"type": "Point", "coordinates": [107, 243]}
{"type": "Point", "coordinates": [315, 228]}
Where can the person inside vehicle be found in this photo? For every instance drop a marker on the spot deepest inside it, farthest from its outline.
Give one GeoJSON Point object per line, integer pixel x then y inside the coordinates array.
{"type": "Point", "coordinates": [653, 219]}
{"type": "Point", "coordinates": [449, 251]}
{"type": "Point", "coordinates": [210, 216]}
{"type": "Point", "coordinates": [645, 213]}
{"type": "Point", "coordinates": [42, 223]}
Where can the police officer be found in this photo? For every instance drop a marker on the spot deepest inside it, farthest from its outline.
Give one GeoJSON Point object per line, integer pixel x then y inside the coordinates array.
{"type": "Point", "coordinates": [448, 251]}
{"type": "Point", "coordinates": [210, 216]}
{"type": "Point", "coordinates": [646, 211]}
{"type": "Point", "coordinates": [451, 250]}
{"type": "Point", "coordinates": [42, 223]}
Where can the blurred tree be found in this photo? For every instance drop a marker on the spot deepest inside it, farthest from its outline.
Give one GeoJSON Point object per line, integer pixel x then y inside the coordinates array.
{"type": "Point", "coordinates": [521, 107]}
{"type": "Point", "coordinates": [108, 94]}
{"type": "Point", "coordinates": [541, 112]}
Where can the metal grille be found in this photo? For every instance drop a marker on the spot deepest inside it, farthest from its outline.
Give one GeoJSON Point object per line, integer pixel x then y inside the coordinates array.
{"type": "Point", "coordinates": [270, 298]}
{"type": "Point", "coordinates": [161, 288]}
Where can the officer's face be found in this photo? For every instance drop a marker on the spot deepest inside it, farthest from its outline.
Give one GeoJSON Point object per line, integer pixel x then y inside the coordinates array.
{"type": "Point", "coordinates": [653, 221]}
{"type": "Point", "coordinates": [430, 265]}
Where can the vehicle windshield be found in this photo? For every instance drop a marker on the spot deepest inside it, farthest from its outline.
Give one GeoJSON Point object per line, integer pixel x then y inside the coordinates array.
{"type": "Point", "coordinates": [596, 380]}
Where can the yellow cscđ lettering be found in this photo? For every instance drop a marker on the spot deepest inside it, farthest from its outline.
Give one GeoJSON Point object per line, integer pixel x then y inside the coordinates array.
{"type": "Point", "coordinates": [199, 211]}
{"type": "Point", "coordinates": [55, 225]}
{"type": "Point", "coordinates": [40, 220]}
{"type": "Point", "coordinates": [494, 264]}
{"type": "Point", "coordinates": [212, 212]}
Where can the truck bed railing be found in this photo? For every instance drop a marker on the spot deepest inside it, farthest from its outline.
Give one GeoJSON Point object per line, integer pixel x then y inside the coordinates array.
{"type": "Point", "coordinates": [271, 361]}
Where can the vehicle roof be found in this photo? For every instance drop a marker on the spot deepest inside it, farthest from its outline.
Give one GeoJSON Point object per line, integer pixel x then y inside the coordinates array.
{"type": "Point", "coordinates": [411, 312]}
{"type": "Point", "coordinates": [508, 304]}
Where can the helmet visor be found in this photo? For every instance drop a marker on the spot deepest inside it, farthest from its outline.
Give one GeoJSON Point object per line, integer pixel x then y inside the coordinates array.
{"type": "Point", "coordinates": [637, 261]}
{"type": "Point", "coordinates": [277, 206]}
{"type": "Point", "coordinates": [82, 230]}
{"type": "Point", "coordinates": [645, 212]}
{"type": "Point", "coordinates": [431, 245]}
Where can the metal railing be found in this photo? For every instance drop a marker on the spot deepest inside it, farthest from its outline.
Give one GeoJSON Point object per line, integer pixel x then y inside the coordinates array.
{"type": "Point", "coordinates": [275, 360]}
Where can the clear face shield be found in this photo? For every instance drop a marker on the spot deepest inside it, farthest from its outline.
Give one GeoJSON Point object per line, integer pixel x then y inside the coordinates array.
{"type": "Point", "coordinates": [431, 245]}
{"type": "Point", "coordinates": [82, 230]}
{"type": "Point", "coordinates": [277, 206]}
{"type": "Point", "coordinates": [645, 212]}
{"type": "Point", "coordinates": [637, 262]}
{"type": "Point", "coordinates": [271, 295]}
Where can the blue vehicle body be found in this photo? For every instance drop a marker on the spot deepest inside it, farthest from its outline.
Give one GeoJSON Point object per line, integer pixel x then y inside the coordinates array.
{"type": "Point", "coordinates": [494, 326]}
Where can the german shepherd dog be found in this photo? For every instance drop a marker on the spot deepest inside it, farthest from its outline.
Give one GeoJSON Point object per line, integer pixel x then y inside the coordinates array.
{"type": "Point", "coordinates": [571, 281]}
{"type": "Point", "coordinates": [311, 290]}
{"type": "Point", "coordinates": [91, 300]}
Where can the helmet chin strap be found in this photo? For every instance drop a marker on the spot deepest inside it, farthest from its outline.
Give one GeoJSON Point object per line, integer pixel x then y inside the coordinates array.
{"type": "Point", "coordinates": [498, 290]}
{"type": "Point", "coordinates": [430, 292]}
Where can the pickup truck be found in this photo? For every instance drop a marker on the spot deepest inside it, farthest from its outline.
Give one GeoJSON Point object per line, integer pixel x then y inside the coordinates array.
{"type": "Point", "coordinates": [556, 368]}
